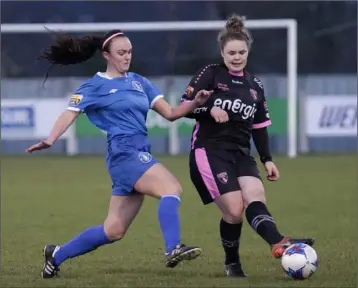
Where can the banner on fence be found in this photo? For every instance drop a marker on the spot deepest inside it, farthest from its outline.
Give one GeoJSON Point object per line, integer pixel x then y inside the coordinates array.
{"type": "Point", "coordinates": [331, 116]}
{"type": "Point", "coordinates": [158, 126]}
{"type": "Point", "coordinates": [29, 118]}
{"type": "Point", "coordinates": [34, 119]}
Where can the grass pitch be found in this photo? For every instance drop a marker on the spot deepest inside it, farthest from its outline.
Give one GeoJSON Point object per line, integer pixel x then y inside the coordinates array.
{"type": "Point", "coordinates": [51, 199]}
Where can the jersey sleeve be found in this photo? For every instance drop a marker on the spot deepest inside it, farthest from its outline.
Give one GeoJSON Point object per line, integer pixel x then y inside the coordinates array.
{"type": "Point", "coordinates": [262, 115]}
{"type": "Point", "coordinates": [202, 80]}
{"type": "Point", "coordinates": [83, 99]}
{"type": "Point", "coordinates": [153, 93]}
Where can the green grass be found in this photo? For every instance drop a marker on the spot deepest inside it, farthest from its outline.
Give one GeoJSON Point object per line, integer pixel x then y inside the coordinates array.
{"type": "Point", "coordinates": [51, 199]}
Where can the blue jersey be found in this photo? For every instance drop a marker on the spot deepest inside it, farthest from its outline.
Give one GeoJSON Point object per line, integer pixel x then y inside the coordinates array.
{"type": "Point", "coordinates": [118, 106]}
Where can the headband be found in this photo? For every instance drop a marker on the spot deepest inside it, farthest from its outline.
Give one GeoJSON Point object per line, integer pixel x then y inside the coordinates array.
{"type": "Point", "coordinates": [111, 37]}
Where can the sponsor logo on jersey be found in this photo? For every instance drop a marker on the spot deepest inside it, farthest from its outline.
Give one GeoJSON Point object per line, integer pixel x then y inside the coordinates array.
{"type": "Point", "coordinates": [237, 82]}
{"type": "Point", "coordinates": [189, 91]}
{"type": "Point", "coordinates": [112, 91]}
{"type": "Point", "coordinates": [137, 86]}
{"type": "Point", "coordinates": [199, 110]}
{"type": "Point", "coordinates": [223, 87]}
{"type": "Point", "coordinates": [145, 157]}
{"type": "Point", "coordinates": [76, 99]}
{"type": "Point", "coordinates": [266, 110]}
{"type": "Point", "coordinates": [259, 83]}
{"type": "Point", "coordinates": [237, 107]}
{"type": "Point", "coordinates": [265, 106]}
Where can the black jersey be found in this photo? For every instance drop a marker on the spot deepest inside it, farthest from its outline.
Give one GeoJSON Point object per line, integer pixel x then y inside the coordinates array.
{"type": "Point", "coordinates": [241, 96]}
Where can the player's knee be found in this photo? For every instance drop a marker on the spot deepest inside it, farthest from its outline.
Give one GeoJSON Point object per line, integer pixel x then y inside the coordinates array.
{"type": "Point", "coordinates": [173, 188]}
{"type": "Point", "coordinates": [114, 229]}
{"type": "Point", "coordinates": [231, 206]}
{"type": "Point", "coordinates": [177, 189]}
{"type": "Point", "coordinates": [253, 195]}
{"type": "Point", "coordinates": [233, 214]}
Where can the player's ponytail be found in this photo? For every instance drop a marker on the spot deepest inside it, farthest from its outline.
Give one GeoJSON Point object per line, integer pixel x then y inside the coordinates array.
{"type": "Point", "coordinates": [69, 50]}
{"type": "Point", "coordinates": [234, 30]}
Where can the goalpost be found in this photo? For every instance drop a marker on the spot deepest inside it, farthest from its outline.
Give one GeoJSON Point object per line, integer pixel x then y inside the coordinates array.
{"type": "Point", "coordinates": [289, 24]}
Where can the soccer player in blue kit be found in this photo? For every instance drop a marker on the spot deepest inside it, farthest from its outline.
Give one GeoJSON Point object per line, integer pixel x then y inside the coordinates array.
{"type": "Point", "coordinates": [117, 101]}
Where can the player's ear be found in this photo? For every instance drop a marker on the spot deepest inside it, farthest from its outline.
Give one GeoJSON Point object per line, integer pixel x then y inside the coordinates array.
{"type": "Point", "coordinates": [222, 53]}
{"type": "Point", "coordinates": [105, 55]}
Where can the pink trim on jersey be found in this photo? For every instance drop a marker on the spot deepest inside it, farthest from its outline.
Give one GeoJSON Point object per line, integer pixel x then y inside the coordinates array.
{"type": "Point", "coordinates": [197, 125]}
{"type": "Point", "coordinates": [207, 175]}
{"type": "Point", "coordinates": [261, 125]}
{"type": "Point", "coordinates": [236, 73]}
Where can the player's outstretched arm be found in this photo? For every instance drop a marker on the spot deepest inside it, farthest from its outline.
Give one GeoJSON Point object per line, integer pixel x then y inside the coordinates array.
{"type": "Point", "coordinates": [63, 122]}
{"type": "Point", "coordinates": [163, 108]}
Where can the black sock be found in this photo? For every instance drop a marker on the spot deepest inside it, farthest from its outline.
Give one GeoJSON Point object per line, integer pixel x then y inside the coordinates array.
{"type": "Point", "coordinates": [230, 240]}
{"type": "Point", "coordinates": [262, 222]}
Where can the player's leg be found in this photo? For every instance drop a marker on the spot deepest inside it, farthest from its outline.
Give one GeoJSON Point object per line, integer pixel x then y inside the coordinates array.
{"type": "Point", "coordinates": [232, 208]}
{"type": "Point", "coordinates": [122, 211]}
{"type": "Point", "coordinates": [132, 165]}
{"type": "Point", "coordinates": [215, 181]}
{"type": "Point", "coordinates": [158, 182]}
{"type": "Point", "coordinates": [257, 213]}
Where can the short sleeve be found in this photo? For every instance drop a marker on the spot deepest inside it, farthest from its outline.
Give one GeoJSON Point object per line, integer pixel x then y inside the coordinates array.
{"type": "Point", "coordinates": [83, 99]}
{"type": "Point", "coordinates": [202, 80]}
{"type": "Point", "coordinates": [262, 115]}
{"type": "Point", "coordinates": [152, 91]}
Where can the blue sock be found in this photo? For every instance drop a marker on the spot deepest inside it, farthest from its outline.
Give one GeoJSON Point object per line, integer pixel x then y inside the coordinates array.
{"type": "Point", "coordinates": [168, 214]}
{"type": "Point", "coordinates": [87, 241]}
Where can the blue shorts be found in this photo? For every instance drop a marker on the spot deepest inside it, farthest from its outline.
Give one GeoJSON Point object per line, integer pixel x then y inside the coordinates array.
{"type": "Point", "coordinates": [127, 160]}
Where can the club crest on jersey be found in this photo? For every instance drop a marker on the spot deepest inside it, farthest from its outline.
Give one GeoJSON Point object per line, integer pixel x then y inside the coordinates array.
{"type": "Point", "coordinates": [223, 177]}
{"type": "Point", "coordinates": [253, 94]}
{"type": "Point", "coordinates": [145, 157]}
{"type": "Point", "coordinates": [137, 86]}
{"type": "Point", "coordinates": [75, 99]}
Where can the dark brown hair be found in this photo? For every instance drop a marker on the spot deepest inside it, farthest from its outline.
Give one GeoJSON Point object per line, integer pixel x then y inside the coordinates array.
{"type": "Point", "coordinates": [234, 30]}
{"type": "Point", "coordinates": [69, 50]}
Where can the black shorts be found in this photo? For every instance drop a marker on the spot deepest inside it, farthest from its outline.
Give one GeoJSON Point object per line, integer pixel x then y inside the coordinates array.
{"type": "Point", "coordinates": [215, 172]}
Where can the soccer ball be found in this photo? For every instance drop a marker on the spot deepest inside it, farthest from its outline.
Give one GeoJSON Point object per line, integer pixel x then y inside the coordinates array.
{"type": "Point", "coordinates": [299, 261]}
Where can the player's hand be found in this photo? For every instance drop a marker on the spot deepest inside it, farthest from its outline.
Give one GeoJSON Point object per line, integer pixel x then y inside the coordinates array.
{"type": "Point", "coordinates": [39, 146]}
{"type": "Point", "coordinates": [219, 115]}
{"type": "Point", "coordinates": [272, 171]}
{"type": "Point", "coordinates": [202, 96]}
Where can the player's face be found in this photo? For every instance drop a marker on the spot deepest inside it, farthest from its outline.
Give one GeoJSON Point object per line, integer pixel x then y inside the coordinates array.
{"type": "Point", "coordinates": [120, 54]}
{"type": "Point", "coordinates": [235, 54]}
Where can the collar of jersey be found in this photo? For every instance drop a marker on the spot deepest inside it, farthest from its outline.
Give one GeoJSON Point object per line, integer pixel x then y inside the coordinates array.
{"type": "Point", "coordinates": [104, 75]}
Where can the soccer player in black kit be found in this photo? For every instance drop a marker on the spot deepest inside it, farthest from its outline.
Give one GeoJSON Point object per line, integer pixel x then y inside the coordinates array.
{"type": "Point", "coordinates": [221, 167]}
